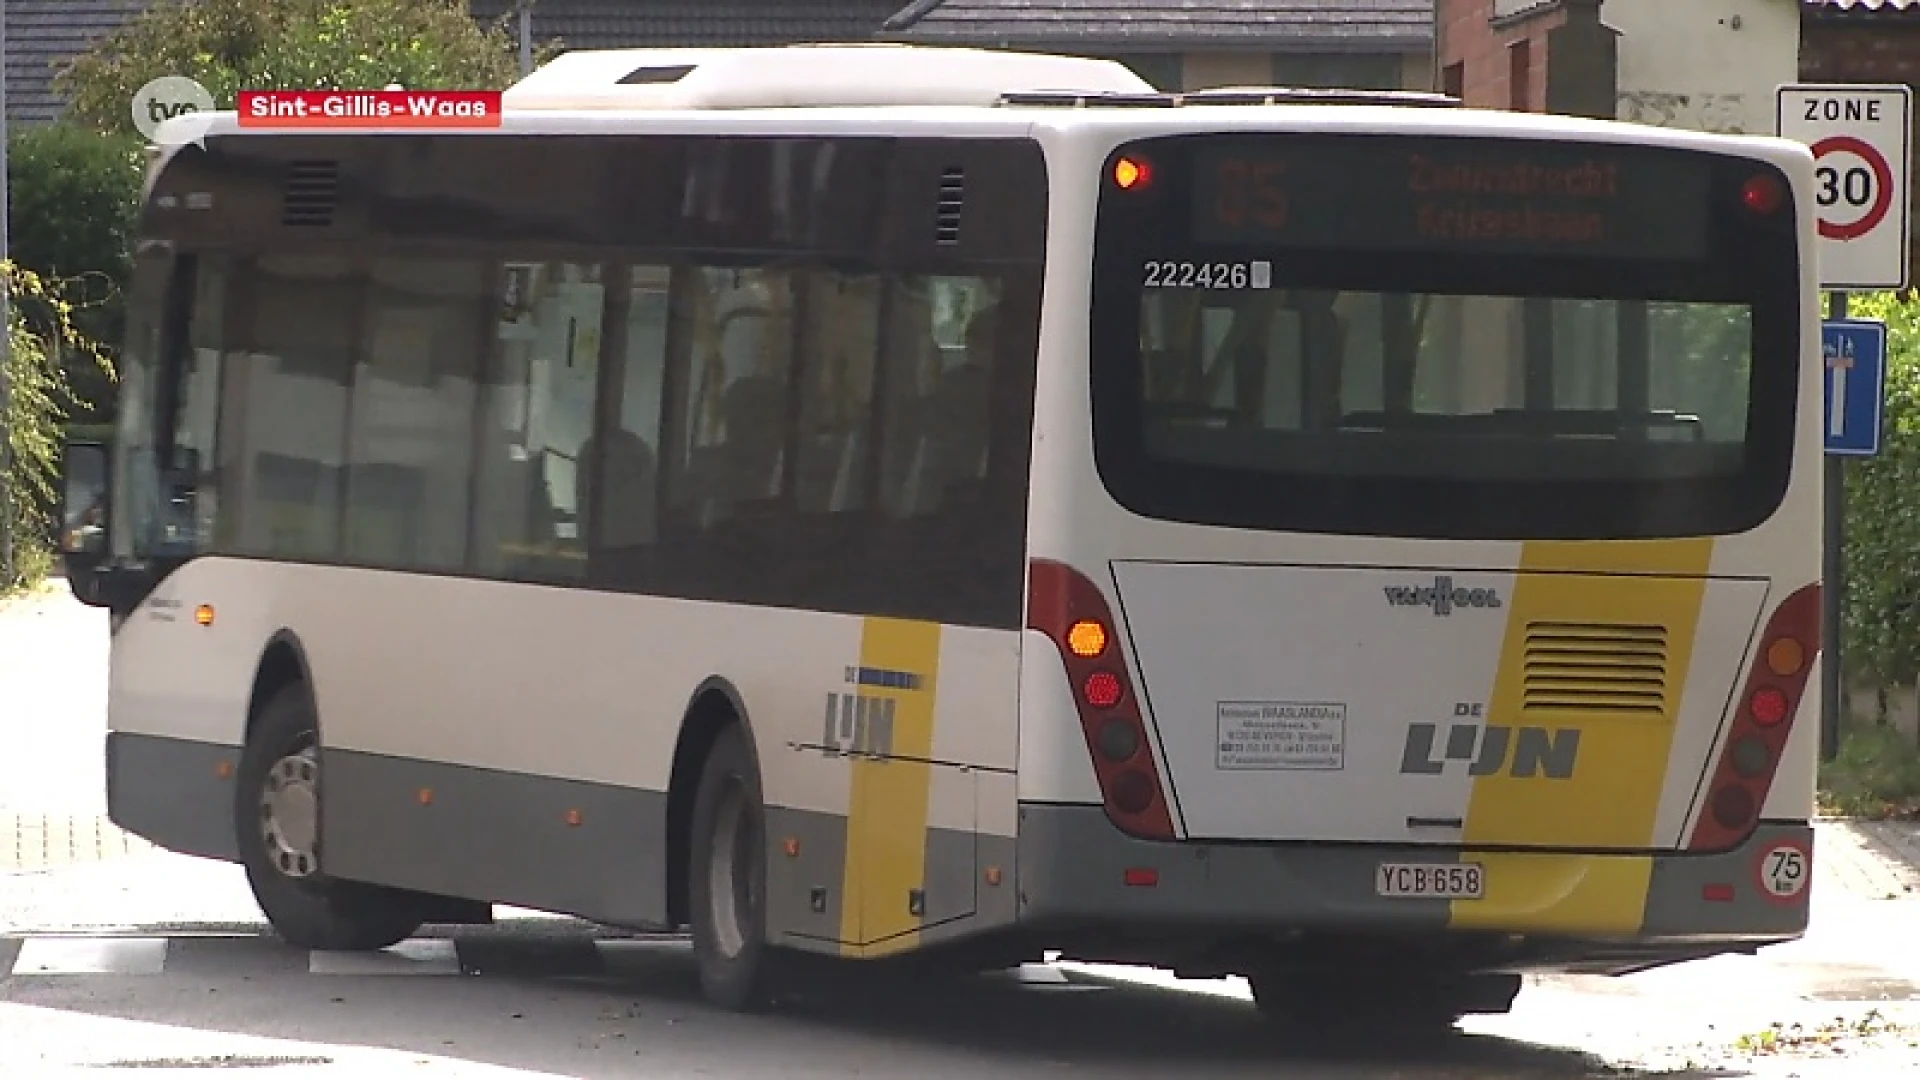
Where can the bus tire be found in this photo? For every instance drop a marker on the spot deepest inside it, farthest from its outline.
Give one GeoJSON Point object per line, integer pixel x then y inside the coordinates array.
{"type": "Point", "coordinates": [277, 819]}
{"type": "Point", "coordinates": [726, 879]}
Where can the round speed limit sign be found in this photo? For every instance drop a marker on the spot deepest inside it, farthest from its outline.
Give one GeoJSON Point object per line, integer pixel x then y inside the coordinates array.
{"type": "Point", "coordinates": [1784, 869]}
{"type": "Point", "coordinates": [1853, 187]}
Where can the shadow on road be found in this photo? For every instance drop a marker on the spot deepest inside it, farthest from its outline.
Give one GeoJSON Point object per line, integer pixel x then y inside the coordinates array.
{"type": "Point", "coordinates": [554, 1003]}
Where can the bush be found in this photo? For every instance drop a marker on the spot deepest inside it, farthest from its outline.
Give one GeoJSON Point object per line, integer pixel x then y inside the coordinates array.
{"type": "Point", "coordinates": [1881, 642]}
{"type": "Point", "coordinates": [75, 199]}
{"type": "Point", "coordinates": [41, 334]}
{"type": "Point", "coordinates": [1875, 775]}
{"type": "Point", "coordinates": [232, 45]}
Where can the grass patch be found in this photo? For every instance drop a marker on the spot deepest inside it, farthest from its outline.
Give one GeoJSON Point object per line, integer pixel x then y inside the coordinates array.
{"type": "Point", "coordinates": [1876, 775]}
{"type": "Point", "coordinates": [1836, 1036]}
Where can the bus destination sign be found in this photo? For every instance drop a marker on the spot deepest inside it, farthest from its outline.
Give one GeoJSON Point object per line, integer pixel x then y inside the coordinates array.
{"type": "Point", "coordinates": [1453, 194]}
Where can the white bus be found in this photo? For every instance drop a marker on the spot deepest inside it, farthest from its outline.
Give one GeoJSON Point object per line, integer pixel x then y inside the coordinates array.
{"type": "Point", "coordinates": [875, 501]}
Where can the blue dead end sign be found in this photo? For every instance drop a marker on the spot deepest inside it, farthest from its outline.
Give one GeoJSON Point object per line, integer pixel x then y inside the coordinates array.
{"type": "Point", "coordinates": [1854, 353]}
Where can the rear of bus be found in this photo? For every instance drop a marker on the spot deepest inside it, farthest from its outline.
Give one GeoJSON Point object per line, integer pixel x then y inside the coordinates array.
{"type": "Point", "coordinates": [1439, 551]}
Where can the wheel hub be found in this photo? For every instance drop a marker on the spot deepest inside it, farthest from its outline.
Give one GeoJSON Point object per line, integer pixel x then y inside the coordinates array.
{"type": "Point", "coordinates": [733, 884]}
{"type": "Point", "coordinates": [290, 814]}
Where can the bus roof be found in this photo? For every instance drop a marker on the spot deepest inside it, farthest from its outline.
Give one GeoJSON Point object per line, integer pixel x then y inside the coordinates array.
{"type": "Point", "coordinates": [878, 89]}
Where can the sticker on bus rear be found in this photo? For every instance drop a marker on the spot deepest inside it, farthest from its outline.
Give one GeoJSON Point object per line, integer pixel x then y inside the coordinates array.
{"type": "Point", "coordinates": [1784, 869]}
{"type": "Point", "coordinates": [1281, 735]}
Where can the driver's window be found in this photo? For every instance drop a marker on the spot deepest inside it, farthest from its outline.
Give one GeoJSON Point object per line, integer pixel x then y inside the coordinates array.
{"type": "Point", "coordinates": [169, 407]}
{"type": "Point", "coordinates": [133, 442]}
{"type": "Point", "coordinates": [195, 379]}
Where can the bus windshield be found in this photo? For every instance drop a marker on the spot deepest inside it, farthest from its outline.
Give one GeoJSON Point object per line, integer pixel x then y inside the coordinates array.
{"type": "Point", "coordinates": [1538, 350]}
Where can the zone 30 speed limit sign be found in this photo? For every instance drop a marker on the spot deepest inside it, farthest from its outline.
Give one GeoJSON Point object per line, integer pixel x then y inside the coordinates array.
{"type": "Point", "coordinates": [1859, 135]}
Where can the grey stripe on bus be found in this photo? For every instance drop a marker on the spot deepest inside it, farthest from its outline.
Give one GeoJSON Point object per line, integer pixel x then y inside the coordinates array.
{"type": "Point", "coordinates": [1675, 895]}
{"type": "Point", "coordinates": [479, 836]}
{"type": "Point", "coordinates": [1070, 868]}
{"type": "Point", "coordinates": [1074, 863]}
{"type": "Point", "coordinates": [170, 792]}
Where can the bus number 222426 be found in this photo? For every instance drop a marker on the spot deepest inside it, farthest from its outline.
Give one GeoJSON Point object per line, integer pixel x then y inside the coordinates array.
{"type": "Point", "coordinates": [1177, 274]}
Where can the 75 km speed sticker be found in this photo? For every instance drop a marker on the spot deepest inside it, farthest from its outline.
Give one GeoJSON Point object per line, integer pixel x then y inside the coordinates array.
{"type": "Point", "coordinates": [1784, 869]}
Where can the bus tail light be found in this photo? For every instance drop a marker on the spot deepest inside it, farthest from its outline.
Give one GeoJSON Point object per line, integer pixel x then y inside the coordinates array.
{"type": "Point", "coordinates": [1763, 194]}
{"type": "Point", "coordinates": [1103, 690]}
{"type": "Point", "coordinates": [1132, 173]}
{"type": "Point", "coordinates": [1070, 609]}
{"type": "Point", "coordinates": [1762, 724]}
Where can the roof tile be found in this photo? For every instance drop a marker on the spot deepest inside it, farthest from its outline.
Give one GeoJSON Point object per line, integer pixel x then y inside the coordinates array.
{"type": "Point", "coordinates": [1898, 9]}
{"type": "Point", "coordinates": [43, 36]}
{"type": "Point", "coordinates": [1279, 25]}
{"type": "Point", "coordinates": [604, 24]}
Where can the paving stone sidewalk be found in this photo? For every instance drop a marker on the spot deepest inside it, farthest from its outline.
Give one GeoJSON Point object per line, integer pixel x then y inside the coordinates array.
{"type": "Point", "coordinates": [1874, 860]}
{"type": "Point", "coordinates": [53, 656]}
{"type": "Point", "coordinates": [31, 842]}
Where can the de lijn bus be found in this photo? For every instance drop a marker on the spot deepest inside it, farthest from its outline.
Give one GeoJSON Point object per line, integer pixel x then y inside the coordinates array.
{"type": "Point", "coordinates": [876, 502]}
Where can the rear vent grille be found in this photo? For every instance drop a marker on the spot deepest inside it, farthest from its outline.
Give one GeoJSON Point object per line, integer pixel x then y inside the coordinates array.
{"type": "Point", "coordinates": [1596, 667]}
{"type": "Point", "coordinates": [953, 196]}
{"type": "Point", "coordinates": [312, 192]}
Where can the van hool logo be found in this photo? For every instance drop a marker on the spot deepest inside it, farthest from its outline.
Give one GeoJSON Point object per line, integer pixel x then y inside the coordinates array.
{"type": "Point", "coordinates": [1442, 596]}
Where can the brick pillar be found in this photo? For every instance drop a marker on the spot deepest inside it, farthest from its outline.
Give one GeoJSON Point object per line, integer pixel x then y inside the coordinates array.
{"type": "Point", "coordinates": [1552, 57]}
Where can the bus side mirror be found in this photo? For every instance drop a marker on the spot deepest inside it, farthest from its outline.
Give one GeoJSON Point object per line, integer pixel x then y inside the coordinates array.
{"type": "Point", "coordinates": [84, 483]}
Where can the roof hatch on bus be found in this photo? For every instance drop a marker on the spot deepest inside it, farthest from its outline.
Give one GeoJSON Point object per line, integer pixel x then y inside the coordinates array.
{"type": "Point", "coordinates": [807, 76]}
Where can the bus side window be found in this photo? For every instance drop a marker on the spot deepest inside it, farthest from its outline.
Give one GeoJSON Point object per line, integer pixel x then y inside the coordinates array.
{"type": "Point", "coordinates": [940, 360]}
{"type": "Point", "coordinates": [297, 348]}
{"type": "Point", "coordinates": [410, 447]}
{"type": "Point", "coordinates": [621, 513]}
{"type": "Point", "coordinates": [733, 415]}
{"type": "Point", "coordinates": [836, 397]}
{"type": "Point", "coordinates": [537, 413]}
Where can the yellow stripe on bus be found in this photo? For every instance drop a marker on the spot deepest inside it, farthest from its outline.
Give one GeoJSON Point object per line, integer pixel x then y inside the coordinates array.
{"type": "Point", "coordinates": [887, 800]}
{"type": "Point", "coordinates": [1613, 796]}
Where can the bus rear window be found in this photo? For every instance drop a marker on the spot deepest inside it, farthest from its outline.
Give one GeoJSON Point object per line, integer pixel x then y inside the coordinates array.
{"type": "Point", "coordinates": [1444, 338]}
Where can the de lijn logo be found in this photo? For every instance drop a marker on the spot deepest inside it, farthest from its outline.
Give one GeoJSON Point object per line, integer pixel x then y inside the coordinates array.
{"type": "Point", "coordinates": [1442, 597]}
{"type": "Point", "coordinates": [165, 98]}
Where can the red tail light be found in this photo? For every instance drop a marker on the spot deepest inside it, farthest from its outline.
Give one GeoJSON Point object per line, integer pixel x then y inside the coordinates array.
{"type": "Point", "coordinates": [1072, 612]}
{"type": "Point", "coordinates": [1103, 690]}
{"type": "Point", "coordinates": [1768, 706]}
{"type": "Point", "coordinates": [1762, 724]}
{"type": "Point", "coordinates": [1763, 194]}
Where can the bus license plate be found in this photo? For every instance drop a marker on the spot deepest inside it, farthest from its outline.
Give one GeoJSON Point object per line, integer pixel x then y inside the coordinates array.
{"type": "Point", "coordinates": [1431, 881]}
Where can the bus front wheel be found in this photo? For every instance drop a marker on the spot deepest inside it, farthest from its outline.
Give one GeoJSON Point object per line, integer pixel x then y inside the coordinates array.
{"type": "Point", "coordinates": [727, 876]}
{"type": "Point", "coordinates": [277, 819]}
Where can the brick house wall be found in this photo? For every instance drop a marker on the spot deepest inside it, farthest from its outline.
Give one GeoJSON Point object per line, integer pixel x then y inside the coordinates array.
{"type": "Point", "coordinates": [1495, 61]}
{"type": "Point", "coordinates": [1527, 55]}
{"type": "Point", "coordinates": [1861, 49]}
{"type": "Point", "coordinates": [1864, 49]}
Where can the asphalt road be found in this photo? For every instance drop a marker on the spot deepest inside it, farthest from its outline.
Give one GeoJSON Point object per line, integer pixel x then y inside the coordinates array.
{"type": "Point", "coordinates": [144, 964]}
{"type": "Point", "coordinates": [551, 1004]}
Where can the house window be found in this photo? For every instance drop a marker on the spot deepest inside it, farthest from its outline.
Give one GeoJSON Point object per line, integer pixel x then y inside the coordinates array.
{"type": "Point", "coordinates": [1339, 71]}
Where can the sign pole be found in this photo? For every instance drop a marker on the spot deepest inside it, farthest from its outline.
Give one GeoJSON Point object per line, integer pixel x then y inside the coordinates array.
{"type": "Point", "coordinates": [1860, 135]}
{"type": "Point", "coordinates": [1833, 582]}
{"type": "Point", "coordinates": [7, 494]}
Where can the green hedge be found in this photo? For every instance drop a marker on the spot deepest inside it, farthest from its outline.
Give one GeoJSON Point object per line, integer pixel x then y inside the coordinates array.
{"type": "Point", "coordinates": [75, 197]}
{"type": "Point", "coordinates": [1881, 643]}
{"type": "Point", "coordinates": [42, 333]}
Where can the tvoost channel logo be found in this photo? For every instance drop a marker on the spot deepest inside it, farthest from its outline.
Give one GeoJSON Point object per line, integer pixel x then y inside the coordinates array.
{"type": "Point", "coordinates": [165, 98]}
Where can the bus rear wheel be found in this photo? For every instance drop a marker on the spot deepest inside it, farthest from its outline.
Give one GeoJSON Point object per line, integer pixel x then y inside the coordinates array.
{"type": "Point", "coordinates": [277, 820]}
{"type": "Point", "coordinates": [727, 876]}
